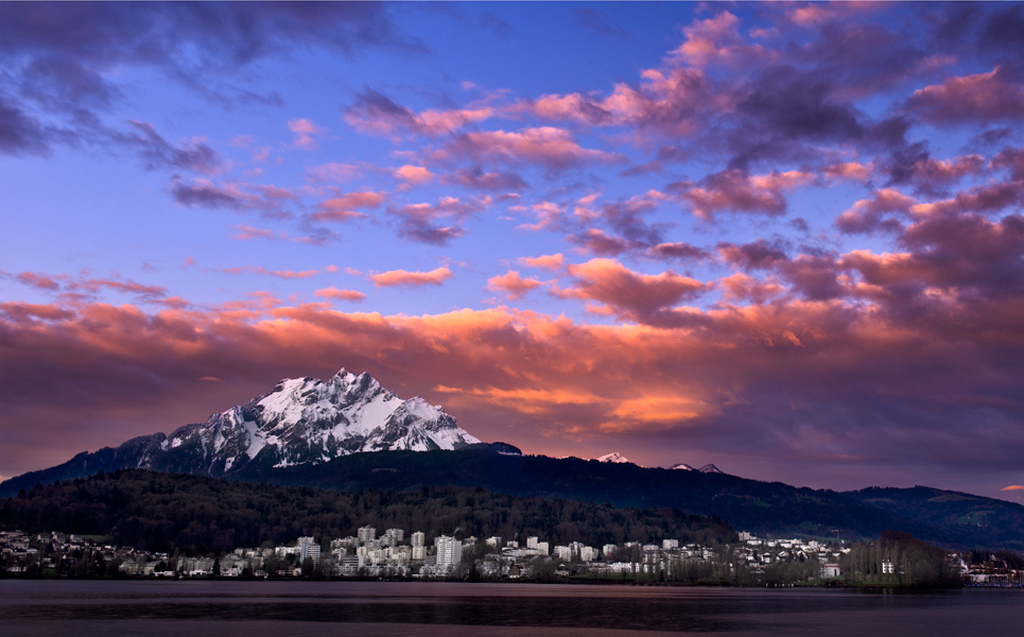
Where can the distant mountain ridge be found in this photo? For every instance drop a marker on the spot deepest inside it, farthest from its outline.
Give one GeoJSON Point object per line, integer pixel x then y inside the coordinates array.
{"type": "Point", "coordinates": [302, 421]}
{"type": "Point", "coordinates": [316, 433]}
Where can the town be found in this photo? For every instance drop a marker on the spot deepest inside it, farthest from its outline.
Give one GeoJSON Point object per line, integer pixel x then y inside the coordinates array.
{"type": "Point", "coordinates": [393, 555]}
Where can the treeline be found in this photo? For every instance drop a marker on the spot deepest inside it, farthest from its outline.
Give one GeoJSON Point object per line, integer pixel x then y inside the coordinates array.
{"type": "Point", "coordinates": [198, 516]}
{"type": "Point", "coordinates": [897, 559]}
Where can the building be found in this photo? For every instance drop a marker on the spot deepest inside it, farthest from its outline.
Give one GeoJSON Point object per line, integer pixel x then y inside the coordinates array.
{"type": "Point", "coordinates": [449, 550]}
{"type": "Point", "coordinates": [366, 534]}
{"type": "Point", "coordinates": [309, 548]}
{"type": "Point", "coordinates": [393, 537]}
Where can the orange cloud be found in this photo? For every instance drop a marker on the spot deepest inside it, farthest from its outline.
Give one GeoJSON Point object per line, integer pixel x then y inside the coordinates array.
{"type": "Point", "coordinates": [737, 191]}
{"type": "Point", "coordinates": [343, 207]}
{"type": "Point", "coordinates": [554, 148]}
{"type": "Point", "coordinates": [413, 175]}
{"type": "Point", "coordinates": [983, 97]}
{"type": "Point", "coordinates": [342, 295]}
{"type": "Point", "coordinates": [747, 380]}
{"type": "Point", "coordinates": [1013, 487]}
{"type": "Point", "coordinates": [414, 279]}
{"type": "Point", "coordinates": [512, 284]}
{"type": "Point", "coordinates": [546, 262]}
{"type": "Point", "coordinates": [640, 297]}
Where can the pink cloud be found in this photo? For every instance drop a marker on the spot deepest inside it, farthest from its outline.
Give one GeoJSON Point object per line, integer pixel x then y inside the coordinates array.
{"type": "Point", "coordinates": [281, 274]}
{"type": "Point", "coordinates": [546, 262]}
{"type": "Point", "coordinates": [306, 133]}
{"type": "Point", "coordinates": [867, 215]}
{"type": "Point", "coordinates": [553, 148]}
{"type": "Point", "coordinates": [413, 175]}
{"type": "Point", "coordinates": [672, 101]}
{"type": "Point", "coordinates": [411, 279]}
{"type": "Point", "coordinates": [813, 14]}
{"type": "Point", "coordinates": [98, 374]}
{"type": "Point", "coordinates": [38, 281]}
{"type": "Point", "coordinates": [635, 296]}
{"type": "Point", "coordinates": [984, 97]}
{"type": "Point", "coordinates": [741, 287]}
{"type": "Point", "coordinates": [717, 41]}
{"type": "Point", "coordinates": [244, 233]}
{"type": "Point", "coordinates": [985, 199]}
{"type": "Point", "coordinates": [849, 170]}
{"type": "Point", "coordinates": [375, 114]}
{"type": "Point", "coordinates": [512, 284]}
{"type": "Point", "coordinates": [736, 191]}
{"type": "Point", "coordinates": [341, 295]}
{"type": "Point", "coordinates": [423, 221]}
{"type": "Point", "coordinates": [345, 206]}
{"type": "Point", "coordinates": [599, 242]}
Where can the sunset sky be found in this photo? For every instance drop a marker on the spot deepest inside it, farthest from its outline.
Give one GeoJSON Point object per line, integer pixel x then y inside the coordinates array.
{"type": "Point", "coordinates": [783, 238]}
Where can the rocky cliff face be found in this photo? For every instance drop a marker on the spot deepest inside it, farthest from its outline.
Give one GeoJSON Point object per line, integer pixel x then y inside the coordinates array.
{"type": "Point", "coordinates": [303, 421]}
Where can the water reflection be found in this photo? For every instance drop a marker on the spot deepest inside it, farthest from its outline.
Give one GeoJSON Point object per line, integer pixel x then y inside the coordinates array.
{"type": "Point", "coordinates": [250, 608]}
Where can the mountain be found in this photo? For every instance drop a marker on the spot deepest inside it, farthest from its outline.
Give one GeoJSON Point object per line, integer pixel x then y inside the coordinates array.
{"type": "Point", "coordinates": [682, 466]}
{"type": "Point", "coordinates": [302, 421]}
{"type": "Point", "coordinates": [764, 508]}
{"type": "Point", "coordinates": [614, 456]}
{"type": "Point", "coordinates": [991, 522]}
{"type": "Point", "coordinates": [311, 433]}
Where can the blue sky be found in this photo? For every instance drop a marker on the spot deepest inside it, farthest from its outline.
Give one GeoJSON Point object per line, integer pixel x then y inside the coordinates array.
{"type": "Point", "coordinates": [783, 238]}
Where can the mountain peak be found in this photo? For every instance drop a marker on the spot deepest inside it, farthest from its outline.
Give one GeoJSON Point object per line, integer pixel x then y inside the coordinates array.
{"type": "Point", "coordinates": [614, 457]}
{"type": "Point", "coordinates": [301, 421]}
{"type": "Point", "coordinates": [682, 466]}
{"type": "Point", "coordinates": [710, 468]}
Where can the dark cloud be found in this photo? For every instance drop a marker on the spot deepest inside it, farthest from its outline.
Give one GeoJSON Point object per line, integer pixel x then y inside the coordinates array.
{"type": "Point", "coordinates": [56, 54]}
{"type": "Point", "coordinates": [679, 250]}
{"type": "Point", "coordinates": [758, 255]}
{"type": "Point", "coordinates": [157, 152]}
{"type": "Point", "coordinates": [20, 133]}
{"type": "Point", "coordinates": [206, 195]}
{"type": "Point", "coordinates": [477, 179]}
{"type": "Point", "coordinates": [439, 223]}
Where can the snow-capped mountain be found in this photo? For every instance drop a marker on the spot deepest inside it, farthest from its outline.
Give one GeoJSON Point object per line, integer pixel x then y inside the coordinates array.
{"type": "Point", "coordinates": [614, 456]}
{"type": "Point", "coordinates": [682, 466]}
{"type": "Point", "coordinates": [303, 421]}
{"type": "Point", "coordinates": [710, 468]}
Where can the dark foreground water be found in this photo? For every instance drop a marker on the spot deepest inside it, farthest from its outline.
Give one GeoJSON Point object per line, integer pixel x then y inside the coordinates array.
{"type": "Point", "coordinates": [249, 609]}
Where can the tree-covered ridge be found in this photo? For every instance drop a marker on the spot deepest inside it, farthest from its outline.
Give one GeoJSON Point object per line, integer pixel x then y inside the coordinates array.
{"type": "Point", "coordinates": [899, 560]}
{"type": "Point", "coordinates": [199, 515]}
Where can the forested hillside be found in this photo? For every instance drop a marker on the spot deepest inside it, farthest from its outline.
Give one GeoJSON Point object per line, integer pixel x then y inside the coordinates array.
{"type": "Point", "coordinates": [197, 515]}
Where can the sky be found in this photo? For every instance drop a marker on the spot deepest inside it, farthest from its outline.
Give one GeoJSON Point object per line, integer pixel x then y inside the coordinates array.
{"type": "Point", "coordinates": [783, 238]}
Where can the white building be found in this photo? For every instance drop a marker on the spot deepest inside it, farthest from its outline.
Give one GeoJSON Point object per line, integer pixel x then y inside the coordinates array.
{"type": "Point", "coordinates": [309, 548]}
{"type": "Point", "coordinates": [393, 537]}
{"type": "Point", "coordinates": [449, 550]}
{"type": "Point", "coordinates": [366, 534]}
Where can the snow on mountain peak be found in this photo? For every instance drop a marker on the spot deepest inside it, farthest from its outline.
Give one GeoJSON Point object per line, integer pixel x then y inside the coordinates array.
{"type": "Point", "coordinates": [309, 421]}
{"type": "Point", "coordinates": [614, 456]}
{"type": "Point", "coordinates": [682, 466]}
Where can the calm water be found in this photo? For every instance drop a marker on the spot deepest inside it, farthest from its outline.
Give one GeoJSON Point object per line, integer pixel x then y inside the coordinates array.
{"type": "Point", "coordinates": [227, 609]}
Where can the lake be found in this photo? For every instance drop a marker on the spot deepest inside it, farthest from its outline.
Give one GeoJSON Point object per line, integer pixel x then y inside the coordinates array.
{"type": "Point", "coordinates": [226, 609]}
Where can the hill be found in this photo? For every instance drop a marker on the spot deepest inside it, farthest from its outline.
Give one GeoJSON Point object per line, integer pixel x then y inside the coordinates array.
{"type": "Point", "coordinates": [199, 515]}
